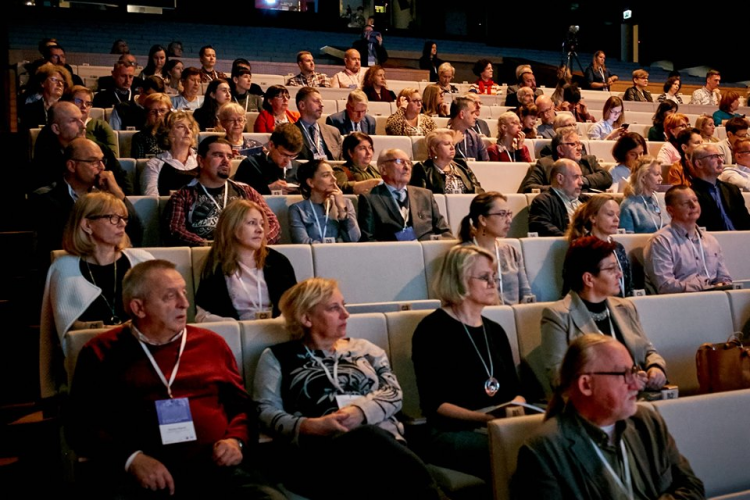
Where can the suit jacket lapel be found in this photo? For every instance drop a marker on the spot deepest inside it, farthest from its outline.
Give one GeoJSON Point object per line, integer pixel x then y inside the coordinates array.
{"type": "Point", "coordinates": [580, 315]}
{"type": "Point", "coordinates": [390, 204]}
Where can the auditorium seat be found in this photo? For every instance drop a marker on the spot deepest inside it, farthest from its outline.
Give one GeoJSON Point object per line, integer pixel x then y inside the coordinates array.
{"type": "Point", "coordinates": [380, 109]}
{"type": "Point", "coordinates": [279, 205]}
{"type": "Point", "coordinates": [382, 142]}
{"type": "Point", "coordinates": [505, 177]}
{"type": "Point", "coordinates": [734, 246]}
{"type": "Point", "coordinates": [544, 259]}
{"type": "Point", "coordinates": [528, 320]}
{"type": "Point", "coordinates": [129, 167]}
{"type": "Point", "coordinates": [433, 253]}
{"type": "Point", "coordinates": [125, 140]}
{"type": "Point", "coordinates": [601, 149]}
{"type": "Point", "coordinates": [147, 208]}
{"type": "Point", "coordinates": [506, 437]}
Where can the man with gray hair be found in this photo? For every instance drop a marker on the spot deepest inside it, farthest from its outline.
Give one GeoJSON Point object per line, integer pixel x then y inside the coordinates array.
{"type": "Point", "coordinates": [545, 111]}
{"type": "Point", "coordinates": [463, 118]}
{"type": "Point", "coordinates": [352, 75]}
{"type": "Point", "coordinates": [354, 118]}
{"type": "Point", "coordinates": [551, 211]}
{"type": "Point", "coordinates": [480, 126]}
{"type": "Point", "coordinates": [526, 79]}
{"type": "Point", "coordinates": [395, 211]}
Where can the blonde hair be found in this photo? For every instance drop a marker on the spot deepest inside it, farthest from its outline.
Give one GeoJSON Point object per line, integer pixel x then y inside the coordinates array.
{"type": "Point", "coordinates": [224, 248]}
{"type": "Point", "coordinates": [580, 223]}
{"type": "Point", "coordinates": [634, 187]}
{"type": "Point", "coordinates": [159, 97]}
{"type": "Point", "coordinates": [451, 282]}
{"type": "Point", "coordinates": [303, 298]}
{"type": "Point", "coordinates": [49, 69]}
{"type": "Point", "coordinates": [432, 138]}
{"type": "Point", "coordinates": [505, 119]}
{"type": "Point", "coordinates": [407, 92]}
{"type": "Point", "coordinates": [430, 99]}
{"type": "Point", "coordinates": [170, 121]}
{"type": "Point", "coordinates": [78, 242]}
{"type": "Point", "coordinates": [230, 108]}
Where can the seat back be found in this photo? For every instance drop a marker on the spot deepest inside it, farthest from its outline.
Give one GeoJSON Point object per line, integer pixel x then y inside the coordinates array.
{"type": "Point", "coordinates": [634, 245]}
{"type": "Point", "coordinates": [544, 259]}
{"type": "Point", "coordinates": [147, 208]}
{"type": "Point", "coordinates": [505, 177]}
{"type": "Point", "coordinates": [734, 245]}
{"type": "Point", "coordinates": [279, 205]}
{"type": "Point", "coordinates": [528, 319]}
{"type": "Point", "coordinates": [739, 303]}
{"type": "Point", "coordinates": [125, 140]}
{"type": "Point", "coordinates": [506, 436]}
{"type": "Point", "coordinates": [383, 142]}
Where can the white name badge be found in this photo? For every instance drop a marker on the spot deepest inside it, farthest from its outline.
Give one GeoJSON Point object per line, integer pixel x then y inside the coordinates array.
{"type": "Point", "coordinates": [320, 157]}
{"type": "Point", "coordinates": [344, 400]}
{"type": "Point", "coordinates": [329, 239]}
{"type": "Point", "coordinates": [264, 314]}
{"type": "Point", "coordinates": [175, 420]}
{"type": "Point", "coordinates": [528, 299]}
{"type": "Point", "coordinates": [277, 192]}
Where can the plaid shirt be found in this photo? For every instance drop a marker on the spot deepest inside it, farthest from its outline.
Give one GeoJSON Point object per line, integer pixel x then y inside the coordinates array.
{"type": "Point", "coordinates": [315, 80]}
{"type": "Point", "coordinates": [181, 203]}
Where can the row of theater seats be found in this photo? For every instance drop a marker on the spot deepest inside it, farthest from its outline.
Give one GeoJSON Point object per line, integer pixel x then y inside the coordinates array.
{"type": "Point", "coordinates": [676, 324]}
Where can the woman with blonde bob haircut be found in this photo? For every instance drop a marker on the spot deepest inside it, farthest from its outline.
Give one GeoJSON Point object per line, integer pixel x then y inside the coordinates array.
{"type": "Point", "coordinates": [463, 362]}
{"type": "Point", "coordinates": [178, 164]}
{"type": "Point", "coordinates": [242, 278]}
{"type": "Point", "coordinates": [84, 287]}
{"type": "Point", "coordinates": [329, 398]}
{"type": "Point", "coordinates": [640, 211]}
{"type": "Point", "coordinates": [442, 173]}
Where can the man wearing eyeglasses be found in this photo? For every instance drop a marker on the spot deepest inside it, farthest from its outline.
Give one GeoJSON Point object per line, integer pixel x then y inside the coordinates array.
{"type": "Point", "coordinates": [132, 113]}
{"type": "Point", "coordinates": [596, 441]}
{"type": "Point", "coordinates": [275, 170]}
{"type": "Point", "coordinates": [395, 211]}
{"type": "Point", "coordinates": [739, 174]}
{"type": "Point", "coordinates": [722, 205]}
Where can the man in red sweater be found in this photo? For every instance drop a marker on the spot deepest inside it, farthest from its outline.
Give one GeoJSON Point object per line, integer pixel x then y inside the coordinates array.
{"type": "Point", "coordinates": [162, 401]}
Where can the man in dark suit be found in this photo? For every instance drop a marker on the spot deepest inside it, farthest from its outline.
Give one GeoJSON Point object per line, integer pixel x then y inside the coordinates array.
{"type": "Point", "coordinates": [722, 205]}
{"type": "Point", "coordinates": [566, 144]}
{"type": "Point", "coordinates": [597, 442]}
{"type": "Point", "coordinates": [354, 118]}
{"type": "Point", "coordinates": [370, 47]}
{"type": "Point", "coordinates": [321, 141]}
{"type": "Point", "coordinates": [550, 212]}
{"type": "Point", "coordinates": [122, 76]}
{"type": "Point", "coordinates": [395, 211]}
{"type": "Point", "coordinates": [277, 169]}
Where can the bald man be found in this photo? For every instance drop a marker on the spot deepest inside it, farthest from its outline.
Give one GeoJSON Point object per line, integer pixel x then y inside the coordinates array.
{"type": "Point", "coordinates": [353, 74]}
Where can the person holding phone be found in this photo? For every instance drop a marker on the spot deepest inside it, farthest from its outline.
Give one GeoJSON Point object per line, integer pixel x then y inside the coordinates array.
{"type": "Point", "coordinates": [611, 127]}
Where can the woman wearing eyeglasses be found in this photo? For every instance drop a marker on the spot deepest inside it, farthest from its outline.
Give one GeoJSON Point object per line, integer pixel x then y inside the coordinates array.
{"type": "Point", "coordinates": [408, 119]}
{"type": "Point", "coordinates": [487, 226]}
{"type": "Point", "coordinates": [275, 110]}
{"type": "Point", "coordinates": [592, 306]}
{"type": "Point", "coordinates": [463, 362]}
{"type": "Point", "coordinates": [232, 120]}
{"type": "Point", "coordinates": [84, 287]}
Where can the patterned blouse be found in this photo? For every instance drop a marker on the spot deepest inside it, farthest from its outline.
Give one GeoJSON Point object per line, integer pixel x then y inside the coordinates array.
{"type": "Point", "coordinates": [397, 125]}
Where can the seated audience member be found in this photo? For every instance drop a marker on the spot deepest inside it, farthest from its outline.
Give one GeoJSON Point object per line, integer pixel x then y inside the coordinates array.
{"type": "Point", "coordinates": [484, 84]}
{"type": "Point", "coordinates": [739, 174]}
{"type": "Point", "coordinates": [670, 259]}
{"type": "Point", "coordinates": [218, 93]}
{"type": "Point", "coordinates": [430, 60]}
{"type": "Point", "coordinates": [240, 65]}
{"type": "Point", "coordinates": [173, 77]}
{"type": "Point", "coordinates": [84, 172]}
{"type": "Point", "coordinates": [54, 81]}
{"type": "Point", "coordinates": [593, 420]}
{"type": "Point", "coordinates": [120, 394]}
{"type": "Point", "coordinates": [564, 78]}
{"type": "Point", "coordinates": [145, 143]}
{"type": "Point", "coordinates": [446, 72]}
{"type": "Point", "coordinates": [275, 110]}
{"type": "Point", "coordinates": [395, 211]}
{"type": "Point", "coordinates": [207, 56]}
{"type": "Point", "coordinates": [122, 91]}
{"type": "Point", "coordinates": [487, 226]}
{"type": "Point", "coordinates": [370, 46]}
{"type": "Point", "coordinates": [275, 170]}
{"type": "Point", "coordinates": [609, 127]}
{"type": "Point", "coordinates": [433, 104]}
{"type": "Point", "coordinates": [243, 90]}
{"type": "Point", "coordinates": [562, 119]}
{"type": "Point", "coordinates": [96, 129]}
{"type": "Point", "coordinates": [178, 165]}
{"type": "Point", "coordinates": [242, 278]}
{"type": "Point", "coordinates": [598, 76]}
{"type": "Point", "coordinates": [108, 83]}
{"type": "Point", "coordinates": [708, 95]}
{"type": "Point", "coordinates": [54, 53]}
{"type": "Point", "coordinates": [174, 49]}
{"type": "Point", "coordinates": [626, 151]}
{"type": "Point", "coordinates": [680, 172]}
{"type": "Point", "coordinates": [66, 124]}
{"type": "Point", "coordinates": [463, 120]}
{"type": "Point", "coordinates": [293, 389]}
{"type": "Point", "coordinates": [736, 128]}
{"type": "Point", "coordinates": [157, 59]}
{"type": "Point", "coordinates": [566, 144]}
{"type": "Point", "coordinates": [528, 116]}
{"type": "Point", "coordinates": [666, 108]}
{"type": "Point", "coordinates": [354, 118]}
{"type": "Point", "coordinates": [189, 98]}
{"type": "Point", "coordinates": [705, 124]}
{"type": "Point", "coordinates": [640, 211]}
{"type": "Point", "coordinates": [408, 118]}
{"type": "Point", "coordinates": [480, 127]}
{"type": "Point", "coordinates": [441, 173]}
{"type": "Point", "coordinates": [83, 288]}
{"type": "Point", "coordinates": [357, 176]}
{"type": "Point", "coordinates": [232, 119]}
{"type": "Point", "coordinates": [545, 111]}
{"type": "Point", "coordinates": [638, 91]}
{"type": "Point", "coordinates": [550, 212]}
{"type": "Point", "coordinates": [728, 105]}
{"type": "Point", "coordinates": [593, 270]}
{"type": "Point", "coordinates": [120, 46]}
{"type": "Point", "coordinates": [572, 102]}
{"type": "Point", "coordinates": [671, 90]}
{"type": "Point", "coordinates": [321, 141]}
{"type": "Point", "coordinates": [722, 204]}
{"type": "Point", "coordinates": [131, 115]}
{"type": "Point", "coordinates": [510, 140]}
{"type": "Point", "coordinates": [307, 77]}
{"type": "Point", "coordinates": [454, 386]}
{"type": "Point", "coordinates": [600, 217]}
{"type": "Point", "coordinates": [673, 125]}
{"type": "Point", "coordinates": [526, 80]}
{"type": "Point", "coordinates": [352, 75]}
{"type": "Point", "coordinates": [192, 212]}
{"type": "Point", "coordinates": [375, 87]}
{"type": "Point", "coordinates": [324, 213]}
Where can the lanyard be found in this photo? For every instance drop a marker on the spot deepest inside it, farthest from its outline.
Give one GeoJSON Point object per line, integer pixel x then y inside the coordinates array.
{"type": "Point", "coordinates": [158, 371]}
{"type": "Point", "coordinates": [321, 232]}
{"type": "Point", "coordinates": [212, 198]}
{"type": "Point", "coordinates": [247, 98]}
{"type": "Point", "coordinates": [627, 486]}
{"type": "Point", "coordinates": [702, 252]}
{"type": "Point", "coordinates": [316, 146]}
{"type": "Point", "coordinates": [661, 222]}
{"type": "Point", "coordinates": [604, 80]}
{"type": "Point", "coordinates": [258, 283]}
{"type": "Point", "coordinates": [117, 95]}
{"type": "Point", "coordinates": [334, 379]}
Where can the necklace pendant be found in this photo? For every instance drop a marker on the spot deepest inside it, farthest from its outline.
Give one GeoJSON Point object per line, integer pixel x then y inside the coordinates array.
{"type": "Point", "coordinates": [491, 386]}
{"type": "Point", "coordinates": [115, 320]}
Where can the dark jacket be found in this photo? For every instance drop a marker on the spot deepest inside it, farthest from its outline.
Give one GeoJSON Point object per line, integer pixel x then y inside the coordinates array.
{"type": "Point", "coordinates": [258, 171]}
{"type": "Point", "coordinates": [538, 175]}
{"type": "Point", "coordinates": [548, 215]}
{"type": "Point", "coordinates": [732, 199]}
{"type": "Point", "coordinates": [380, 52]}
{"type": "Point", "coordinates": [426, 175]}
{"type": "Point", "coordinates": [342, 122]}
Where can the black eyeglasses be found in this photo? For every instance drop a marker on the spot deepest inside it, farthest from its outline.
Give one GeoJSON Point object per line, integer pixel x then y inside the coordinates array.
{"type": "Point", "coordinates": [628, 376]}
{"type": "Point", "coordinates": [91, 161]}
{"type": "Point", "coordinates": [86, 104]}
{"type": "Point", "coordinates": [114, 219]}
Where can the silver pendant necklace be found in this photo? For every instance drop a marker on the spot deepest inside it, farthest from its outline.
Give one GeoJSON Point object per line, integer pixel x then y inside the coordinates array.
{"type": "Point", "coordinates": [491, 385]}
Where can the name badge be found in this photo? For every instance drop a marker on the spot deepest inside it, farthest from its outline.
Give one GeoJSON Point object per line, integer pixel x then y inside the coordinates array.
{"type": "Point", "coordinates": [528, 299]}
{"type": "Point", "coordinates": [406, 234]}
{"type": "Point", "coordinates": [329, 239]}
{"type": "Point", "coordinates": [264, 314]}
{"type": "Point", "coordinates": [277, 192]}
{"type": "Point", "coordinates": [175, 420]}
{"type": "Point", "coordinates": [320, 157]}
{"type": "Point", "coordinates": [344, 400]}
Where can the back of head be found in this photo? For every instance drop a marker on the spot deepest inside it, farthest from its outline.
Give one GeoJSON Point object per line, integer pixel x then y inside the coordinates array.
{"type": "Point", "coordinates": [571, 93]}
